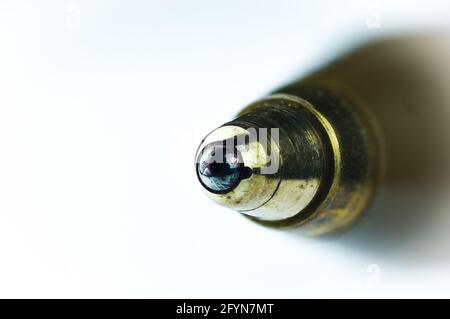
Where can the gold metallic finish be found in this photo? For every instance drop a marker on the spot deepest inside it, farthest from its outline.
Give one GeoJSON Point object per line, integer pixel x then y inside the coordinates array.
{"type": "Point", "coordinates": [245, 197]}
{"type": "Point", "coordinates": [328, 154]}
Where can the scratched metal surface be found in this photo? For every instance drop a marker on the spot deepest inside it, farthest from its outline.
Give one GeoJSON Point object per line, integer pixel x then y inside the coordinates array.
{"type": "Point", "coordinates": [102, 105]}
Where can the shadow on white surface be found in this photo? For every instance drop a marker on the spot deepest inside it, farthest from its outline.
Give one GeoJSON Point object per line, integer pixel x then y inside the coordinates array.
{"type": "Point", "coordinates": [406, 78]}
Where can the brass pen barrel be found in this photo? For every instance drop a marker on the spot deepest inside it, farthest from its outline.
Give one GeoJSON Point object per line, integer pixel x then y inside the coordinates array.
{"type": "Point", "coordinates": [340, 133]}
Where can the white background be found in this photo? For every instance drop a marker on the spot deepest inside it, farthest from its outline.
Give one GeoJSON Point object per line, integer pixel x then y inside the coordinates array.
{"type": "Point", "coordinates": [102, 104]}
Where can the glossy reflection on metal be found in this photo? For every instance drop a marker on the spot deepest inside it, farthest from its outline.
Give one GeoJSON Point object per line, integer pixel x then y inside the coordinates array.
{"type": "Point", "coordinates": [220, 168]}
{"type": "Point", "coordinates": [254, 190]}
{"type": "Point", "coordinates": [326, 154]}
